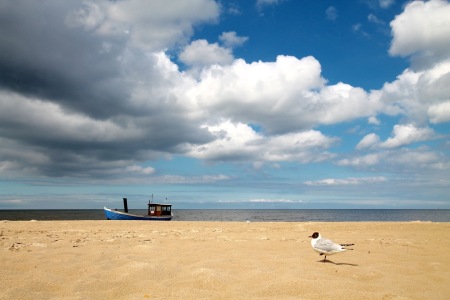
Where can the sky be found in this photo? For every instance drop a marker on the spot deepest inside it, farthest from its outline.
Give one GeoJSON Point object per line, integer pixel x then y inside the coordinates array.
{"type": "Point", "coordinates": [280, 104]}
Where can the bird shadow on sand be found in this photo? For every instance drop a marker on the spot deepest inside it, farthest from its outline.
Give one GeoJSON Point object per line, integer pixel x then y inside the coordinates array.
{"type": "Point", "coordinates": [337, 264]}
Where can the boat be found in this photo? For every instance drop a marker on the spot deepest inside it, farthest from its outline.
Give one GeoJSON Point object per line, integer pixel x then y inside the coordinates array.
{"type": "Point", "coordinates": [155, 212]}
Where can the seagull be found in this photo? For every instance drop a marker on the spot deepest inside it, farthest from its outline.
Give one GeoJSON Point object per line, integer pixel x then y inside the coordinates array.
{"type": "Point", "coordinates": [325, 246]}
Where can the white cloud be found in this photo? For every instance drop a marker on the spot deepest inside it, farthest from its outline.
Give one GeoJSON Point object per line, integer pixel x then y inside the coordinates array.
{"type": "Point", "coordinates": [403, 135]}
{"type": "Point", "coordinates": [386, 3]}
{"type": "Point", "coordinates": [200, 54]}
{"type": "Point", "coordinates": [274, 201]}
{"type": "Point", "coordinates": [407, 134]}
{"type": "Point", "coordinates": [423, 27]}
{"type": "Point", "coordinates": [368, 141]}
{"type": "Point", "coordinates": [346, 181]}
{"type": "Point", "coordinates": [400, 96]}
{"type": "Point", "coordinates": [358, 28]}
{"type": "Point", "coordinates": [231, 40]}
{"type": "Point", "coordinates": [139, 178]}
{"type": "Point", "coordinates": [331, 13]}
{"type": "Point", "coordinates": [361, 161]}
{"type": "Point", "coordinates": [287, 95]}
{"type": "Point", "coordinates": [421, 158]}
{"type": "Point", "coordinates": [154, 108]}
{"type": "Point", "coordinates": [140, 170]}
{"type": "Point", "coordinates": [373, 120]}
{"type": "Point", "coordinates": [401, 160]}
{"type": "Point", "coordinates": [262, 200]}
{"type": "Point", "coordinates": [414, 93]}
{"type": "Point", "coordinates": [239, 141]}
{"type": "Point", "coordinates": [421, 92]}
{"type": "Point", "coordinates": [374, 19]}
{"type": "Point", "coordinates": [439, 113]}
{"type": "Point", "coordinates": [151, 25]}
{"type": "Point", "coordinates": [261, 3]}
{"type": "Point", "coordinates": [233, 8]}
{"type": "Point", "coordinates": [345, 102]}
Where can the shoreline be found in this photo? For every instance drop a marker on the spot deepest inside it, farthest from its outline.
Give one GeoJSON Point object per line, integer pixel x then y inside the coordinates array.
{"type": "Point", "coordinates": [242, 215]}
{"type": "Point", "coordinates": [77, 259]}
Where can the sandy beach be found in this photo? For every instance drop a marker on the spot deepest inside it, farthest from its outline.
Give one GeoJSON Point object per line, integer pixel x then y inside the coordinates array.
{"type": "Point", "coordinates": [221, 260]}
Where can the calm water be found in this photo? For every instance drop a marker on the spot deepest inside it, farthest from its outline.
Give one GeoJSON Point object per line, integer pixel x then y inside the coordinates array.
{"type": "Point", "coordinates": [253, 215]}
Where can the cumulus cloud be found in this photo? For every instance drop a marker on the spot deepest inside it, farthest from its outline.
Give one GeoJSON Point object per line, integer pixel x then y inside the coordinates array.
{"type": "Point", "coordinates": [407, 134]}
{"type": "Point", "coordinates": [79, 92]}
{"type": "Point", "coordinates": [239, 142]}
{"type": "Point", "coordinates": [88, 89]}
{"type": "Point", "coordinates": [282, 96]}
{"type": "Point", "coordinates": [152, 25]}
{"type": "Point", "coordinates": [373, 120]}
{"type": "Point", "coordinates": [439, 113]}
{"type": "Point", "coordinates": [422, 33]}
{"type": "Point", "coordinates": [230, 39]}
{"type": "Point", "coordinates": [200, 54]}
{"type": "Point", "coordinates": [368, 141]}
{"type": "Point", "coordinates": [63, 54]}
{"type": "Point", "coordinates": [403, 135]}
{"type": "Point", "coordinates": [412, 34]}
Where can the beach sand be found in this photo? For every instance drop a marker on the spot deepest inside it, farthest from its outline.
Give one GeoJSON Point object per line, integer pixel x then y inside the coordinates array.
{"type": "Point", "coordinates": [221, 260]}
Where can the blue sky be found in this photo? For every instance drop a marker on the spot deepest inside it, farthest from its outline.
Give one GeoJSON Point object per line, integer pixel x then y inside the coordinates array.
{"type": "Point", "coordinates": [225, 104]}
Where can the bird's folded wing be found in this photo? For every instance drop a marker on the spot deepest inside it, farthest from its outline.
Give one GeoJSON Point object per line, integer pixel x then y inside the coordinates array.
{"type": "Point", "coordinates": [327, 245]}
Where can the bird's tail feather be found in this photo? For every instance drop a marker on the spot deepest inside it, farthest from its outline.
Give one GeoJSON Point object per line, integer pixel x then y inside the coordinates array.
{"type": "Point", "coordinates": [347, 245]}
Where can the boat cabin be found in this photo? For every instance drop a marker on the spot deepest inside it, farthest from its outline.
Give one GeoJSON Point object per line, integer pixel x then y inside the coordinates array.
{"type": "Point", "coordinates": [155, 209]}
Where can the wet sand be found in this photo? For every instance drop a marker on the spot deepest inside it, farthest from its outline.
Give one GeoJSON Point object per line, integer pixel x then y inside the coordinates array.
{"type": "Point", "coordinates": [221, 260]}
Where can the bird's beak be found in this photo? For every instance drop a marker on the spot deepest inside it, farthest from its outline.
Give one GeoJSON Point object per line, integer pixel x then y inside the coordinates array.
{"type": "Point", "coordinates": [310, 236]}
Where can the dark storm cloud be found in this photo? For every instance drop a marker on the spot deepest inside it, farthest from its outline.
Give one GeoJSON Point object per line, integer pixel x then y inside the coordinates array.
{"type": "Point", "coordinates": [74, 102]}
{"type": "Point", "coordinates": [40, 55]}
{"type": "Point", "coordinates": [40, 136]}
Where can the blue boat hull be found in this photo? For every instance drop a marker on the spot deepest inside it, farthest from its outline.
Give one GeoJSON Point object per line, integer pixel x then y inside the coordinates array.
{"type": "Point", "coordinates": [118, 215]}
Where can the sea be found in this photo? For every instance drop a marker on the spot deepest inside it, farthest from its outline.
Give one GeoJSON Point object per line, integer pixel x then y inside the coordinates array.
{"type": "Point", "coordinates": [251, 215]}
